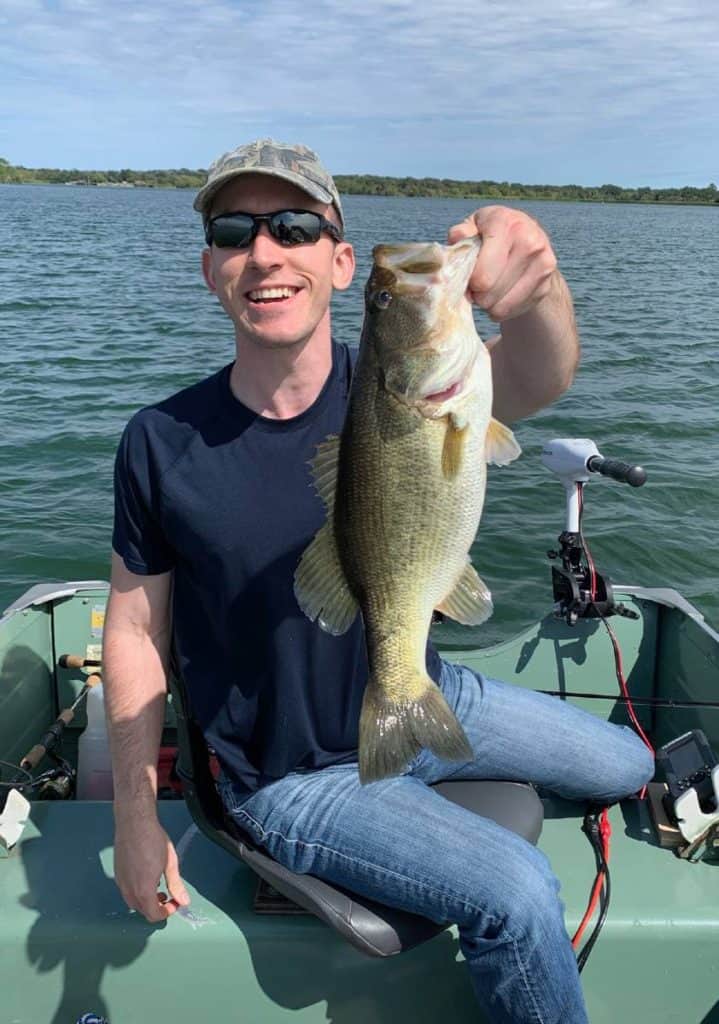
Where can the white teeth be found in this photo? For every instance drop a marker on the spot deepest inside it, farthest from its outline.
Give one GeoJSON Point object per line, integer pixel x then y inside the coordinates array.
{"type": "Point", "coordinates": [272, 293]}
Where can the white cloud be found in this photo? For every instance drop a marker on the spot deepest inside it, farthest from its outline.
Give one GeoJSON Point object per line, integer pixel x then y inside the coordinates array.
{"type": "Point", "coordinates": [109, 74]}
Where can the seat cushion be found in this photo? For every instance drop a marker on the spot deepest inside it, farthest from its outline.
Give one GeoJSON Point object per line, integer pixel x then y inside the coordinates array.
{"type": "Point", "coordinates": [382, 931]}
{"type": "Point", "coordinates": [515, 805]}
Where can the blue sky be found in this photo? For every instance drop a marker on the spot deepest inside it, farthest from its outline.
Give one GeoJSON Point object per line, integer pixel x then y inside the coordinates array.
{"type": "Point", "coordinates": [621, 91]}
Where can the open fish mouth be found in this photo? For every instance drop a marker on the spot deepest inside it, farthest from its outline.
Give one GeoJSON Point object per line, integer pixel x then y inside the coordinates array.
{"type": "Point", "coordinates": [449, 377]}
{"type": "Point", "coordinates": [436, 392]}
{"type": "Point", "coordinates": [442, 396]}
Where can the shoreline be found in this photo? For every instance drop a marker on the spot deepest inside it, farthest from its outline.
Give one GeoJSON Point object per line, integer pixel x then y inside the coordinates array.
{"type": "Point", "coordinates": [429, 187]}
{"type": "Point", "coordinates": [479, 196]}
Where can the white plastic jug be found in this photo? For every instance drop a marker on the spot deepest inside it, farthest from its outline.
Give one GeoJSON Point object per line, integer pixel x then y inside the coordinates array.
{"type": "Point", "coordinates": [94, 767]}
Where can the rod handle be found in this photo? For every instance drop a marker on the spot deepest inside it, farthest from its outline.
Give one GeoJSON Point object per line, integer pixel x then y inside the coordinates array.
{"type": "Point", "coordinates": [77, 661]}
{"type": "Point", "coordinates": [35, 755]}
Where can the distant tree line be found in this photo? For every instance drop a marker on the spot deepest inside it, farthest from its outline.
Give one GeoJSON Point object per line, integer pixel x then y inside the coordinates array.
{"type": "Point", "coordinates": [182, 178]}
{"type": "Point", "coordinates": [368, 184]}
{"type": "Point", "coordinates": [374, 185]}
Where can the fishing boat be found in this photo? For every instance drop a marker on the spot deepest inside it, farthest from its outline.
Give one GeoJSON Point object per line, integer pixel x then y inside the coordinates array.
{"type": "Point", "coordinates": [260, 944]}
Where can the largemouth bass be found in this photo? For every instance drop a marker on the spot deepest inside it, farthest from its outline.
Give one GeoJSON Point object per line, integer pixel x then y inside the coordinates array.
{"type": "Point", "coordinates": [404, 486]}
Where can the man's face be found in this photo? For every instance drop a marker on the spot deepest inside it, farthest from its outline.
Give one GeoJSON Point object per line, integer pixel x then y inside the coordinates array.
{"type": "Point", "coordinates": [242, 278]}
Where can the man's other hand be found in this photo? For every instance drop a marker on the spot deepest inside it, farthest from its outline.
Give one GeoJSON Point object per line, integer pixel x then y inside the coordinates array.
{"type": "Point", "coordinates": [515, 265]}
{"type": "Point", "coordinates": [143, 855]}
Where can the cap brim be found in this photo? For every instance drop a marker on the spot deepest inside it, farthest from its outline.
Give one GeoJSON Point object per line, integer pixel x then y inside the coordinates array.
{"type": "Point", "coordinates": [204, 198]}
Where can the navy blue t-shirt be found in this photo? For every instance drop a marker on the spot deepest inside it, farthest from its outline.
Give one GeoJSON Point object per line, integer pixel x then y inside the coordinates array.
{"type": "Point", "coordinates": [224, 498]}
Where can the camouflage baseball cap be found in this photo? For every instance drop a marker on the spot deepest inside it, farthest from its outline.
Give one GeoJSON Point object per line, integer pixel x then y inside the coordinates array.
{"type": "Point", "coordinates": [294, 163]}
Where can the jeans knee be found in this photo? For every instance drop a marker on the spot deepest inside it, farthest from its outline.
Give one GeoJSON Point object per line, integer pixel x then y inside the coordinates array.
{"type": "Point", "coordinates": [645, 766]}
{"type": "Point", "coordinates": [528, 901]}
{"type": "Point", "coordinates": [535, 904]}
{"type": "Point", "coordinates": [635, 768]}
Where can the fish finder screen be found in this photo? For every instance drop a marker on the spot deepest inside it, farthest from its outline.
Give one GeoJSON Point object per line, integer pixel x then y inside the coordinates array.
{"type": "Point", "coordinates": [686, 760]}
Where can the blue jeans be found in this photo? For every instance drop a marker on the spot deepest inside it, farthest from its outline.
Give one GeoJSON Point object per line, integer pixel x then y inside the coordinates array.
{"type": "Point", "coordinates": [401, 843]}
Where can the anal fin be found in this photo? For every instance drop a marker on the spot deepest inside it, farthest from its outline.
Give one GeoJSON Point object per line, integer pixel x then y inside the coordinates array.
{"type": "Point", "coordinates": [470, 601]}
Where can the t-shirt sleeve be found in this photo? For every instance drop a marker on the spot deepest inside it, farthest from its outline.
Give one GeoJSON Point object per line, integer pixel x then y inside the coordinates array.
{"type": "Point", "coordinates": [137, 534]}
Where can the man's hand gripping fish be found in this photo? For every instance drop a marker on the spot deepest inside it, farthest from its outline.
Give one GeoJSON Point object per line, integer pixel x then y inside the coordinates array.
{"type": "Point", "coordinates": [404, 487]}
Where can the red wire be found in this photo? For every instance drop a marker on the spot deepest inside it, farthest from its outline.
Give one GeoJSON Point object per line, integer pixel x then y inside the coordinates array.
{"type": "Point", "coordinates": [624, 688]}
{"type": "Point", "coordinates": [594, 899]}
{"type": "Point", "coordinates": [612, 635]}
{"type": "Point", "coordinates": [590, 560]}
{"type": "Point", "coordinates": [605, 831]}
{"type": "Point", "coordinates": [605, 828]}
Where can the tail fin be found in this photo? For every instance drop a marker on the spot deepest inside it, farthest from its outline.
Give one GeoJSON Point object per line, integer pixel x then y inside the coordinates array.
{"type": "Point", "coordinates": [392, 733]}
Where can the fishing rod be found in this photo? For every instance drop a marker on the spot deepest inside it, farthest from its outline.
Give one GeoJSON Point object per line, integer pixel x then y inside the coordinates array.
{"type": "Point", "coordinates": [656, 702]}
{"type": "Point", "coordinates": [58, 780]}
{"type": "Point", "coordinates": [51, 738]}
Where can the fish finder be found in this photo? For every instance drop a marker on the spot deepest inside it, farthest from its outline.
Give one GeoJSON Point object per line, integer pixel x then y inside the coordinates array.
{"type": "Point", "coordinates": [691, 802]}
{"type": "Point", "coordinates": [687, 763]}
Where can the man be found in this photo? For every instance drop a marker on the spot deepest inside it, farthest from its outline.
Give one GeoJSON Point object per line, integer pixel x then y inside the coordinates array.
{"type": "Point", "coordinates": [214, 507]}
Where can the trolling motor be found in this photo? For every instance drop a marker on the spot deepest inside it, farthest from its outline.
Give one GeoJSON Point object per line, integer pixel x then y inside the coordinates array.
{"type": "Point", "coordinates": [580, 591]}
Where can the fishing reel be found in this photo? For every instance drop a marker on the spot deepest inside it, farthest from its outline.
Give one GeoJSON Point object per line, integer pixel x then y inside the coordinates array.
{"type": "Point", "coordinates": [580, 591]}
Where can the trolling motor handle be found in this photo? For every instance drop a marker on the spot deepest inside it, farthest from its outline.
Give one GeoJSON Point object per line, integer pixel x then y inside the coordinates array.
{"type": "Point", "coordinates": [573, 459]}
{"type": "Point", "coordinates": [635, 476]}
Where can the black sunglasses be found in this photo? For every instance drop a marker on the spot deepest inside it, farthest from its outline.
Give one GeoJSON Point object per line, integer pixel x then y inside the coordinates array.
{"type": "Point", "coordinates": [289, 227]}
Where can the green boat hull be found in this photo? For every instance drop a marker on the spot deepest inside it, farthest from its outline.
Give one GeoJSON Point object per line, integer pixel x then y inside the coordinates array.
{"type": "Point", "coordinates": [69, 946]}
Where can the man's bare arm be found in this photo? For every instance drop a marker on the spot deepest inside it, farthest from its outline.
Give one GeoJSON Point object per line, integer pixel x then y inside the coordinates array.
{"type": "Point", "coordinates": [135, 655]}
{"type": "Point", "coordinates": [536, 356]}
{"type": "Point", "coordinates": [516, 282]}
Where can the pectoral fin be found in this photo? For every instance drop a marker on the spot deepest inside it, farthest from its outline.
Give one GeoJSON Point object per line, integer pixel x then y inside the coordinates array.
{"type": "Point", "coordinates": [470, 602]}
{"type": "Point", "coordinates": [453, 449]}
{"type": "Point", "coordinates": [500, 445]}
{"type": "Point", "coordinates": [320, 585]}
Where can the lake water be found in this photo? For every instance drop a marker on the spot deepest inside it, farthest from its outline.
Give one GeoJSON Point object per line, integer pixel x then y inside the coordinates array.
{"type": "Point", "coordinates": [103, 309]}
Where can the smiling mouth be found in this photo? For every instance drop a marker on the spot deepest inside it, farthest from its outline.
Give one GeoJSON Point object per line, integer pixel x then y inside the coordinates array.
{"type": "Point", "coordinates": [267, 295]}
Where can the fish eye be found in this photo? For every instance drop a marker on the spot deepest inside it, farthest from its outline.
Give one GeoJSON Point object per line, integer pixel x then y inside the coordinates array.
{"type": "Point", "coordinates": [382, 299]}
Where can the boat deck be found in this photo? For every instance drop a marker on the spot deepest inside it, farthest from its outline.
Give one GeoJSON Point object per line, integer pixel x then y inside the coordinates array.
{"type": "Point", "coordinates": [68, 944]}
{"type": "Point", "coordinates": [71, 946]}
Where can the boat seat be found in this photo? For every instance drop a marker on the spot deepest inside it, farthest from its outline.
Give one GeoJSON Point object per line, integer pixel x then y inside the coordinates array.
{"type": "Point", "coordinates": [370, 927]}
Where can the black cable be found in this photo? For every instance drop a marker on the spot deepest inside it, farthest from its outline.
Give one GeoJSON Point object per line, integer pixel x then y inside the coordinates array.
{"type": "Point", "coordinates": [591, 829]}
{"type": "Point", "coordinates": [588, 947]}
